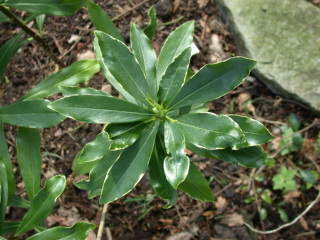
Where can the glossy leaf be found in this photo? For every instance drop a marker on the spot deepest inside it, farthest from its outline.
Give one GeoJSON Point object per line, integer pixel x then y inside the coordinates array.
{"type": "Point", "coordinates": [6, 160]}
{"type": "Point", "coordinates": [196, 185]}
{"type": "Point", "coordinates": [8, 50]}
{"type": "Point", "coordinates": [42, 204]}
{"type": "Point", "coordinates": [253, 130]}
{"type": "Point", "coordinates": [130, 167]}
{"type": "Point", "coordinates": [123, 137]}
{"type": "Point", "coordinates": [146, 56]}
{"type": "Point", "coordinates": [99, 109]}
{"type": "Point", "coordinates": [79, 231]}
{"type": "Point", "coordinates": [214, 81]}
{"type": "Point", "coordinates": [72, 75]}
{"type": "Point", "coordinates": [29, 159]}
{"type": "Point", "coordinates": [32, 114]}
{"type": "Point", "coordinates": [210, 131]}
{"type": "Point", "coordinates": [111, 79]}
{"type": "Point", "coordinates": [151, 28]}
{"type": "Point", "coordinates": [176, 166]}
{"type": "Point", "coordinates": [251, 157]}
{"type": "Point", "coordinates": [48, 7]}
{"type": "Point", "coordinates": [92, 152]}
{"type": "Point", "coordinates": [69, 91]}
{"type": "Point", "coordinates": [102, 21]}
{"type": "Point", "coordinates": [3, 193]}
{"type": "Point", "coordinates": [98, 174]}
{"type": "Point", "coordinates": [157, 176]}
{"type": "Point", "coordinates": [176, 169]}
{"type": "Point", "coordinates": [175, 44]}
{"type": "Point", "coordinates": [123, 66]}
{"type": "Point", "coordinates": [174, 77]}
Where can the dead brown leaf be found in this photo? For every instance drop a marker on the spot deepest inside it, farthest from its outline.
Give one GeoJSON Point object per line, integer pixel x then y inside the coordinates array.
{"type": "Point", "coordinates": [221, 203]}
{"type": "Point", "coordinates": [292, 195]}
{"type": "Point", "coordinates": [202, 3]}
{"type": "Point", "coordinates": [233, 220]}
{"type": "Point", "coordinates": [244, 102]}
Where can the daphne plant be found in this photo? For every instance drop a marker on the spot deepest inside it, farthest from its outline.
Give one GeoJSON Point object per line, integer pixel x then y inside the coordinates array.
{"type": "Point", "coordinates": [161, 114]}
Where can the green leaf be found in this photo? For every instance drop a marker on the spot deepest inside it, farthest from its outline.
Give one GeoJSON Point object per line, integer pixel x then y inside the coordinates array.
{"type": "Point", "coordinates": [5, 159]}
{"type": "Point", "coordinates": [175, 44]}
{"type": "Point", "coordinates": [48, 7]}
{"type": "Point", "coordinates": [251, 157]}
{"type": "Point", "coordinates": [309, 177]}
{"type": "Point", "coordinates": [8, 50]}
{"type": "Point", "coordinates": [151, 28]}
{"type": "Point", "coordinates": [123, 66]}
{"type": "Point", "coordinates": [33, 114]}
{"type": "Point", "coordinates": [210, 131]}
{"type": "Point", "coordinates": [285, 179]}
{"type": "Point", "coordinates": [69, 91]}
{"type": "Point", "coordinates": [72, 75]}
{"type": "Point", "coordinates": [146, 56]}
{"type": "Point", "coordinates": [42, 204]}
{"type": "Point", "coordinates": [253, 130]}
{"type": "Point", "coordinates": [3, 193]}
{"type": "Point", "coordinates": [40, 21]}
{"type": "Point", "coordinates": [130, 167]}
{"type": "Point", "coordinates": [111, 79]}
{"type": "Point", "coordinates": [124, 135]}
{"type": "Point", "coordinates": [196, 185]}
{"type": "Point", "coordinates": [174, 77]}
{"type": "Point", "coordinates": [19, 202]}
{"type": "Point", "coordinates": [294, 122]}
{"type": "Point", "coordinates": [214, 81]}
{"type": "Point", "coordinates": [92, 152]}
{"type": "Point", "coordinates": [98, 174]}
{"type": "Point", "coordinates": [176, 169]}
{"type": "Point", "coordinates": [283, 215]}
{"type": "Point", "coordinates": [4, 18]}
{"type": "Point", "coordinates": [79, 231]}
{"type": "Point", "coordinates": [176, 166]}
{"type": "Point", "coordinates": [29, 159]}
{"type": "Point", "coordinates": [157, 176]}
{"type": "Point", "coordinates": [99, 109]}
{"type": "Point", "coordinates": [8, 227]}
{"type": "Point", "coordinates": [102, 21]}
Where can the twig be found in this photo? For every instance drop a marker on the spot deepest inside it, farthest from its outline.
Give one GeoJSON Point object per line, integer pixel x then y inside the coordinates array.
{"type": "Point", "coordinates": [102, 222]}
{"type": "Point", "coordinates": [129, 10]}
{"type": "Point", "coordinates": [35, 35]}
{"type": "Point", "coordinates": [108, 232]}
{"type": "Point", "coordinates": [313, 203]}
{"type": "Point", "coordinates": [313, 124]}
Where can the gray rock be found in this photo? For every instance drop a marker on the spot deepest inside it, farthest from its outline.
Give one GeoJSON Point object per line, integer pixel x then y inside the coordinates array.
{"type": "Point", "coordinates": [284, 37]}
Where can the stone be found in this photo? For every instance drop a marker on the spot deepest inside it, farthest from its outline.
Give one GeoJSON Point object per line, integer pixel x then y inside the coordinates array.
{"type": "Point", "coordinates": [284, 37]}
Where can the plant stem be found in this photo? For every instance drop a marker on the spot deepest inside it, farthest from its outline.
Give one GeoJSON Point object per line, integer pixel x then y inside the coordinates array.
{"type": "Point", "coordinates": [102, 221]}
{"type": "Point", "coordinates": [35, 35]}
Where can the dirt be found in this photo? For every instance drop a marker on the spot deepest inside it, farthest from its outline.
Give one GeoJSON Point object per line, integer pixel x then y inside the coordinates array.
{"type": "Point", "coordinates": [134, 216]}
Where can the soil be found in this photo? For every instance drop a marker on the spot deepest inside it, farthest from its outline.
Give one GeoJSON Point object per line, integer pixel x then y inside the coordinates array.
{"type": "Point", "coordinates": [140, 215]}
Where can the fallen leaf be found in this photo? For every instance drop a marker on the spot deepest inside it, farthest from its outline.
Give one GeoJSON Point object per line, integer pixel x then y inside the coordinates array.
{"type": "Point", "coordinates": [221, 203]}
{"type": "Point", "coordinates": [86, 55]}
{"type": "Point", "coordinates": [304, 223]}
{"type": "Point", "coordinates": [202, 3]}
{"type": "Point", "coordinates": [233, 220]}
{"type": "Point", "coordinates": [291, 195]}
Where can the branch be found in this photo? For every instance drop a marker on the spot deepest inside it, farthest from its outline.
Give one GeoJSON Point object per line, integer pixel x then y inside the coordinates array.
{"type": "Point", "coordinates": [35, 35]}
{"type": "Point", "coordinates": [314, 202]}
